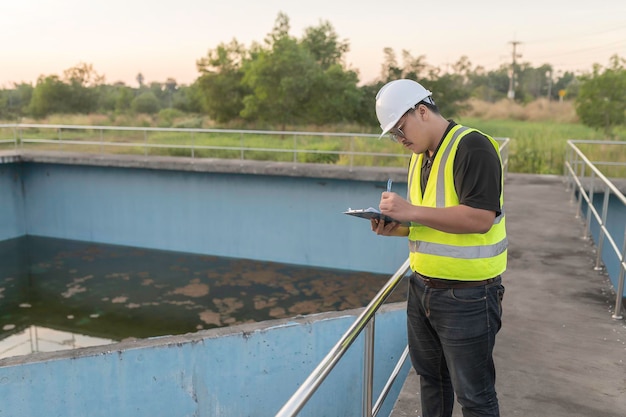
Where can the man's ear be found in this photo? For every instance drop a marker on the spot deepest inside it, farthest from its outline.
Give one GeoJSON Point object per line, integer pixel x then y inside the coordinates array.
{"type": "Point", "coordinates": [422, 111]}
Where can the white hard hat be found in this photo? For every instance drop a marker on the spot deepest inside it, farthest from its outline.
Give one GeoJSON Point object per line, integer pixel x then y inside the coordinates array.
{"type": "Point", "coordinates": [395, 98]}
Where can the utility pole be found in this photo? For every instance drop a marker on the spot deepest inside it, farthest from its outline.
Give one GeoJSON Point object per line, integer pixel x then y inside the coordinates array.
{"type": "Point", "coordinates": [515, 55]}
{"type": "Point", "coordinates": [549, 86]}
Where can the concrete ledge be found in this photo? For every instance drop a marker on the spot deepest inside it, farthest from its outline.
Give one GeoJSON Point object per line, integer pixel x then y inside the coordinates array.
{"type": "Point", "coordinates": [167, 341]}
{"type": "Point", "coordinates": [247, 370]}
{"type": "Point", "coordinates": [9, 157]}
{"type": "Point", "coordinates": [234, 166]}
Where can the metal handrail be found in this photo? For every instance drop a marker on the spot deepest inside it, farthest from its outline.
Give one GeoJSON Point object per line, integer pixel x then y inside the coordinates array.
{"type": "Point", "coordinates": [504, 154]}
{"type": "Point", "coordinates": [576, 160]}
{"type": "Point", "coordinates": [314, 380]}
{"type": "Point", "coordinates": [19, 139]}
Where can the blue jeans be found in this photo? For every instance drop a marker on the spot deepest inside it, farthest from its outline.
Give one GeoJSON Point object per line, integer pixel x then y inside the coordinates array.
{"type": "Point", "coordinates": [451, 336]}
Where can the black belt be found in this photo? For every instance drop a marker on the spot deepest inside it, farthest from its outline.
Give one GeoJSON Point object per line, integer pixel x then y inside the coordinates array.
{"type": "Point", "coordinates": [439, 283]}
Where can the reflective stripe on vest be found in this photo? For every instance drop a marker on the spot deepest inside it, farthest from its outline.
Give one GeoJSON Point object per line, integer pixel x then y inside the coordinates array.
{"type": "Point", "coordinates": [460, 252]}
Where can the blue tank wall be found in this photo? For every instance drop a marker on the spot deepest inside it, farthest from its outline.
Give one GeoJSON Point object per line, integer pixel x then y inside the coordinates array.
{"type": "Point", "coordinates": [615, 224]}
{"type": "Point", "coordinates": [295, 220]}
{"type": "Point", "coordinates": [12, 222]}
{"type": "Point", "coordinates": [237, 371]}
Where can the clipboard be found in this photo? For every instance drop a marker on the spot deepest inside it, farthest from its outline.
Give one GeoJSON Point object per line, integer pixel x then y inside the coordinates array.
{"type": "Point", "coordinates": [372, 213]}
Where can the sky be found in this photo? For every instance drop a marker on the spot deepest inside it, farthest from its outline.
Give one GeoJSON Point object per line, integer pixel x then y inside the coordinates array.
{"type": "Point", "coordinates": [121, 38]}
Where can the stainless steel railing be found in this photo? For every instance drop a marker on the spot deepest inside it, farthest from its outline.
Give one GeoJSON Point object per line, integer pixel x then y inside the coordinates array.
{"type": "Point", "coordinates": [192, 141]}
{"type": "Point", "coordinates": [582, 175]}
{"type": "Point", "coordinates": [141, 140]}
{"type": "Point", "coordinates": [365, 321]}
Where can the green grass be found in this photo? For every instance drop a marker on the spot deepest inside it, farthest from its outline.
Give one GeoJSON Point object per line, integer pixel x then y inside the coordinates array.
{"type": "Point", "coordinates": [536, 147]}
{"type": "Point", "coordinates": [539, 147]}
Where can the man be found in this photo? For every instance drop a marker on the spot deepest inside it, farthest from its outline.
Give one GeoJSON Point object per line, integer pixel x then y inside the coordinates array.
{"type": "Point", "coordinates": [457, 244]}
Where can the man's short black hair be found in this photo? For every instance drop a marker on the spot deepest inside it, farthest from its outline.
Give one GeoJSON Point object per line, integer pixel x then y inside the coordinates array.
{"type": "Point", "coordinates": [430, 104]}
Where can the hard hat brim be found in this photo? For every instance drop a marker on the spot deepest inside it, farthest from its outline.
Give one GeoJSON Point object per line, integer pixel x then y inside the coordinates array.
{"type": "Point", "coordinates": [389, 127]}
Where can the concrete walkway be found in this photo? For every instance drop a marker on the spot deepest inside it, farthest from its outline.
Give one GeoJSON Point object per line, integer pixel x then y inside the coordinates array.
{"type": "Point", "coordinates": [559, 353]}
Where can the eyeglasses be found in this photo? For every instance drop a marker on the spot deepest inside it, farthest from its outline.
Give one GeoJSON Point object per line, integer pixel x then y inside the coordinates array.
{"type": "Point", "coordinates": [395, 133]}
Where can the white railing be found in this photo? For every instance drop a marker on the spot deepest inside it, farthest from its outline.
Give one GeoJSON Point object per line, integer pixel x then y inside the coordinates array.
{"type": "Point", "coordinates": [365, 321]}
{"type": "Point", "coordinates": [293, 146]}
{"type": "Point", "coordinates": [582, 174]}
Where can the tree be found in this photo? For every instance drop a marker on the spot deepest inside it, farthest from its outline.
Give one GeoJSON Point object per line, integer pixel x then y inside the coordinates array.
{"type": "Point", "coordinates": [50, 95]}
{"type": "Point", "coordinates": [365, 111]}
{"type": "Point", "coordinates": [14, 101]}
{"type": "Point", "coordinates": [123, 99]}
{"type": "Point", "coordinates": [532, 83]}
{"type": "Point", "coordinates": [449, 89]}
{"type": "Point", "coordinates": [83, 82]}
{"type": "Point", "coordinates": [280, 77]}
{"type": "Point", "coordinates": [390, 70]}
{"type": "Point", "coordinates": [567, 82]}
{"type": "Point", "coordinates": [323, 43]}
{"type": "Point", "coordinates": [601, 101]}
{"type": "Point", "coordinates": [220, 82]}
{"type": "Point", "coordinates": [170, 87]}
{"type": "Point", "coordinates": [84, 75]}
{"type": "Point", "coordinates": [489, 85]}
{"type": "Point", "coordinates": [189, 98]}
{"type": "Point", "coordinates": [449, 92]}
{"type": "Point", "coordinates": [146, 102]}
{"type": "Point", "coordinates": [412, 67]}
{"type": "Point", "coordinates": [334, 96]}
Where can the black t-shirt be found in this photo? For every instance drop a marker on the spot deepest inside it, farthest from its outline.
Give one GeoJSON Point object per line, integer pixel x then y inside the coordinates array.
{"type": "Point", "coordinates": [477, 171]}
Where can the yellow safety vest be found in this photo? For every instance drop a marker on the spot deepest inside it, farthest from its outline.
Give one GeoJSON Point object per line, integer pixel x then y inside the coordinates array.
{"type": "Point", "coordinates": [437, 254]}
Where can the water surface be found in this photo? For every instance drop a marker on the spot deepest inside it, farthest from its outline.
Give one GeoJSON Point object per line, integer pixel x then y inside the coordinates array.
{"type": "Point", "coordinates": [56, 288]}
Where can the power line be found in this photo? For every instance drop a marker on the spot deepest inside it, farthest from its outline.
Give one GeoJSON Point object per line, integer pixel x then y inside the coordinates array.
{"type": "Point", "coordinates": [617, 44]}
{"type": "Point", "coordinates": [569, 37]}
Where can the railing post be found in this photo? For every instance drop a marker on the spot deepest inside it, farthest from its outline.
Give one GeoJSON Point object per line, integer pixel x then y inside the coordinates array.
{"type": "Point", "coordinates": [101, 141]}
{"type": "Point", "coordinates": [368, 368]}
{"type": "Point", "coordinates": [295, 149]}
{"type": "Point", "coordinates": [568, 167]}
{"type": "Point", "coordinates": [567, 161]}
{"type": "Point", "coordinates": [351, 152]}
{"type": "Point", "coordinates": [193, 145]}
{"type": "Point", "coordinates": [572, 174]}
{"type": "Point", "coordinates": [579, 212]}
{"type": "Point", "coordinates": [145, 143]}
{"type": "Point", "coordinates": [620, 282]}
{"type": "Point", "coordinates": [587, 232]}
{"type": "Point", "coordinates": [242, 145]}
{"type": "Point", "coordinates": [605, 210]}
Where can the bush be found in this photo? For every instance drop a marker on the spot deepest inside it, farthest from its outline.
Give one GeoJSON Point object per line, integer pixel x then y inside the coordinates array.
{"type": "Point", "coordinates": [321, 158]}
{"type": "Point", "coordinates": [146, 103]}
{"type": "Point", "coordinates": [166, 117]}
{"type": "Point", "coordinates": [190, 123]}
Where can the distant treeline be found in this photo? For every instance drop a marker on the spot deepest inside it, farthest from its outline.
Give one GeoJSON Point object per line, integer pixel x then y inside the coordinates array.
{"type": "Point", "coordinates": [286, 80]}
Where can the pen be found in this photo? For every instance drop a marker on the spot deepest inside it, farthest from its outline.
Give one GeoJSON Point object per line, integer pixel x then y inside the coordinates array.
{"type": "Point", "coordinates": [389, 182]}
